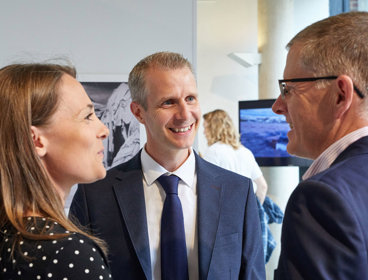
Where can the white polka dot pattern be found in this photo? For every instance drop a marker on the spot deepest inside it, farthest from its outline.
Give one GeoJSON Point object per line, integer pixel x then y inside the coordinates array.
{"type": "Point", "coordinates": [74, 257]}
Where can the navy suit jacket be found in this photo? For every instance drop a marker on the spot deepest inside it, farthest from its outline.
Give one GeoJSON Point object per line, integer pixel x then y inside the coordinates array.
{"type": "Point", "coordinates": [325, 228]}
{"type": "Point", "coordinates": [229, 235]}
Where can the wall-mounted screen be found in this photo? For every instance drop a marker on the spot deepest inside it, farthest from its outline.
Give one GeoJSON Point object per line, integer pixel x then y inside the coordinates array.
{"type": "Point", "coordinates": [265, 134]}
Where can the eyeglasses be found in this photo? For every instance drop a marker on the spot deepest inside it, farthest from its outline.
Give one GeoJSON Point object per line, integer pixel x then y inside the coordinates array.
{"type": "Point", "coordinates": [284, 88]}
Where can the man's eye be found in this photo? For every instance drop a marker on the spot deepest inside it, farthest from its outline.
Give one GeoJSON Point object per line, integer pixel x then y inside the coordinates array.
{"type": "Point", "coordinates": [167, 102]}
{"type": "Point", "coordinates": [190, 98]}
{"type": "Point", "coordinates": [284, 89]}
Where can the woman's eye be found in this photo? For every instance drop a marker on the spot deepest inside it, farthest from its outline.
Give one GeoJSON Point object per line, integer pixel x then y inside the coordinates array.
{"type": "Point", "coordinates": [89, 117]}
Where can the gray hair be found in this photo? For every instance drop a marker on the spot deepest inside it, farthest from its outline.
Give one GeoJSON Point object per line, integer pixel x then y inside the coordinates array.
{"type": "Point", "coordinates": [336, 45]}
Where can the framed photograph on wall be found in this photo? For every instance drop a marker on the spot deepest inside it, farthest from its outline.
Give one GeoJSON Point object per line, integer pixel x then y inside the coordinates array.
{"type": "Point", "coordinates": [112, 106]}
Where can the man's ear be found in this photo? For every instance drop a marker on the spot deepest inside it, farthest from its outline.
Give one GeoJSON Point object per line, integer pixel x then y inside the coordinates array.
{"type": "Point", "coordinates": [39, 141]}
{"type": "Point", "coordinates": [345, 94]}
{"type": "Point", "coordinates": [137, 111]}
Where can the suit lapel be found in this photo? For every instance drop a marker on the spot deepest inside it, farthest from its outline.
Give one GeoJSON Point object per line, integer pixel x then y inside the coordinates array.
{"type": "Point", "coordinates": [209, 205]}
{"type": "Point", "coordinates": [130, 197]}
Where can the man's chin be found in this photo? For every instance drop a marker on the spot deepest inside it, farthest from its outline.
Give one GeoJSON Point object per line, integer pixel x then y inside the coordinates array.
{"type": "Point", "coordinates": [293, 152]}
{"type": "Point", "coordinates": [184, 144]}
{"type": "Point", "coordinates": [183, 147]}
{"type": "Point", "coordinates": [290, 150]}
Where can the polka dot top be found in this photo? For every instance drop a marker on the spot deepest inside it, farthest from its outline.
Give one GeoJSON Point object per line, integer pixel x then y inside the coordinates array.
{"type": "Point", "coordinates": [73, 257]}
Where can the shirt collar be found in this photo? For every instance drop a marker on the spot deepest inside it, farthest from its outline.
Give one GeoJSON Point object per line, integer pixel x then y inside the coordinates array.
{"type": "Point", "coordinates": [328, 156]}
{"type": "Point", "coordinates": [152, 170]}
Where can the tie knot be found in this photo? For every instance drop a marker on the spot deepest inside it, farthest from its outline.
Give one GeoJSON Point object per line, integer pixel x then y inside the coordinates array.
{"type": "Point", "coordinates": [169, 183]}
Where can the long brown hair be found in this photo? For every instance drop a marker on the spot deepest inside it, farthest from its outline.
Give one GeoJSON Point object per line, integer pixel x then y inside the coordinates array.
{"type": "Point", "coordinates": [29, 97]}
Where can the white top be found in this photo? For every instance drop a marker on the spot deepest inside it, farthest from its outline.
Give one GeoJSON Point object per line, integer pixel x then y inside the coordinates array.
{"type": "Point", "coordinates": [329, 155]}
{"type": "Point", "coordinates": [154, 196]}
{"type": "Point", "coordinates": [240, 161]}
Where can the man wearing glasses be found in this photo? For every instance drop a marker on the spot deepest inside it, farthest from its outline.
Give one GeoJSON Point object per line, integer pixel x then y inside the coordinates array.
{"type": "Point", "coordinates": [324, 99]}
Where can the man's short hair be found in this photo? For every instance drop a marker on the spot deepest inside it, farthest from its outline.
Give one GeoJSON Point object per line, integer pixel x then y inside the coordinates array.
{"type": "Point", "coordinates": [336, 45]}
{"type": "Point", "coordinates": [160, 60]}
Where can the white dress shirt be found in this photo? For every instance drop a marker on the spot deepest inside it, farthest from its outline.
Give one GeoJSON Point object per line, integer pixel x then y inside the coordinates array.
{"type": "Point", "coordinates": [154, 196]}
{"type": "Point", "coordinates": [329, 155]}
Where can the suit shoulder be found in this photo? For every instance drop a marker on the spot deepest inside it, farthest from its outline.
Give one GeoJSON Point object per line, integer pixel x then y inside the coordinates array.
{"type": "Point", "coordinates": [220, 173]}
{"type": "Point", "coordinates": [114, 173]}
{"type": "Point", "coordinates": [343, 181]}
{"type": "Point", "coordinates": [343, 175]}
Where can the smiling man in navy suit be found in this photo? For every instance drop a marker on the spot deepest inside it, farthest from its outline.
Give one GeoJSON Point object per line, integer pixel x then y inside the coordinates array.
{"type": "Point", "coordinates": [222, 230]}
{"type": "Point", "coordinates": [324, 99]}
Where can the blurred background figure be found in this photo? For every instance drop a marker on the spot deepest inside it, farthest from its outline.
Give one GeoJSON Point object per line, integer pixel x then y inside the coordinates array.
{"type": "Point", "coordinates": [226, 151]}
{"type": "Point", "coordinates": [50, 139]}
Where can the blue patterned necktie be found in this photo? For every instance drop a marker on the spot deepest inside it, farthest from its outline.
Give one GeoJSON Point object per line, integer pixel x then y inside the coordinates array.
{"type": "Point", "coordinates": [174, 263]}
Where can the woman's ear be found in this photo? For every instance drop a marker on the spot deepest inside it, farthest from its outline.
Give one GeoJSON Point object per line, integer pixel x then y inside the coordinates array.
{"type": "Point", "coordinates": [39, 141]}
{"type": "Point", "coordinates": [345, 94]}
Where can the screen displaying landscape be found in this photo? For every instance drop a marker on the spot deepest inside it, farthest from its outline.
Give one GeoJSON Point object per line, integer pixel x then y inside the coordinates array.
{"type": "Point", "coordinates": [264, 132]}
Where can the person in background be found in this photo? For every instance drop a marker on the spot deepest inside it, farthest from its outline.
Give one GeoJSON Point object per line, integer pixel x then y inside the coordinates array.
{"type": "Point", "coordinates": [215, 230]}
{"type": "Point", "coordinates": [226, 151]}
{"type": "Point", "coordinates": [324, 99]}
{"type": "Point", "coordinates": [50, 139]}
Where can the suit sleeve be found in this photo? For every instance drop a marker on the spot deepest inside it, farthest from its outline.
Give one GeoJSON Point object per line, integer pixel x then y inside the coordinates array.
{"type": "Point", "coordinates": [253, 266]}
{"type": "Point", "coordinates": [79, 208]}
{"type": "Point", "coordinates": [321, 236]}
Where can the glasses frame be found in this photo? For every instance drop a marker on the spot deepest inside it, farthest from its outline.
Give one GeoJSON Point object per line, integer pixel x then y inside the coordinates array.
{"type": "Point", "coordinates": [282, 84]}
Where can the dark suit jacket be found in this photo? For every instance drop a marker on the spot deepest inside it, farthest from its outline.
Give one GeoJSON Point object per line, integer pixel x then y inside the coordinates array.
{"type": "Point", "coordinates": [229, 236]}
{"type": "Point", "coordinates": [325, 229]}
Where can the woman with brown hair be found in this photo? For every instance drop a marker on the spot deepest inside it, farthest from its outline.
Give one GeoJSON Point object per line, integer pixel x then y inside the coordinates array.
{"type": "Point", "coordinates": [50, 139]}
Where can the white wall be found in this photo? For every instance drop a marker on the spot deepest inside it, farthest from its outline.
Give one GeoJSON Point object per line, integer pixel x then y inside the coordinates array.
{"type": "Point", "coordinates": [308, 12]}
{"type": "Point", "coordinates": [105, 37]}
{"type": "Point", "coordinates": [225, 26]}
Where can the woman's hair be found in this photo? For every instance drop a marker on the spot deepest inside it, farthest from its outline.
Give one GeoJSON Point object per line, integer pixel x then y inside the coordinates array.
{"type": "Point", "coordinates": [28, 97]}
{"type": "Point", "coordinates": [220, 128]}
{"type": "Point", "coordinates": [160, 60]}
